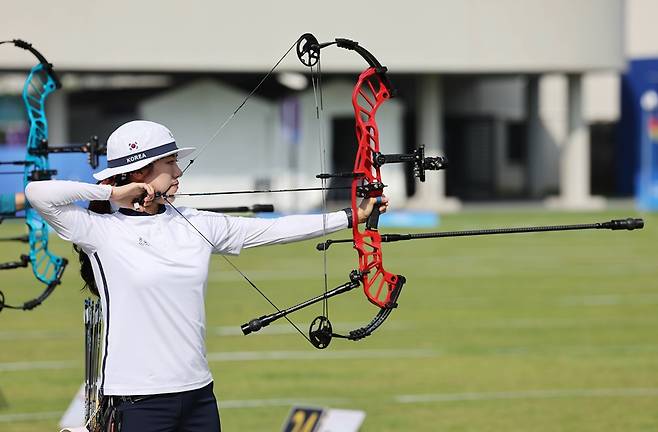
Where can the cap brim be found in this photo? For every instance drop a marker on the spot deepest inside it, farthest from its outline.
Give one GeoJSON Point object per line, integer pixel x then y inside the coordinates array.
{"type": "Point", "coordinates": [109, 172]}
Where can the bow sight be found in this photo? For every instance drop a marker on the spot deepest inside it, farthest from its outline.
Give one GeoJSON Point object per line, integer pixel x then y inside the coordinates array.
{"type": "Point", "coordinates": [417, 159]}
{"type": "Point", "coordinates": [92, 148]}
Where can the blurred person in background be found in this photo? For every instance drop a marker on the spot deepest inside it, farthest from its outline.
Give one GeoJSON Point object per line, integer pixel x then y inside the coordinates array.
{"type": "Point", "coordinates": [11, 203]}
{"type": "Point", "coordinates": [150, 268]}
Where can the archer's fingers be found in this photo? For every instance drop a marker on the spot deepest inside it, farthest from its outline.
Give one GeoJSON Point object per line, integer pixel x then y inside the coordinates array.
{"type": "Point", "coordinates": [383, 204]}
{"type": "Point", "coordinates": [150, 193]}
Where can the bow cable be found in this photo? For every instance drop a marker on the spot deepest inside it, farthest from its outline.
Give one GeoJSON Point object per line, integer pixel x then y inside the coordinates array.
{"type": "Point", "coordinates": [316, 80]}
{"type": "Point", "coordinates": [232, 115]}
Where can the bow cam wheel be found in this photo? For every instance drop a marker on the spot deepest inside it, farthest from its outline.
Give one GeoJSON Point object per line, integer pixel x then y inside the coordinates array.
{"type": "Point", "coordinates": [320, 332]}
{"type": "Point", "coordinates": [308, 50]}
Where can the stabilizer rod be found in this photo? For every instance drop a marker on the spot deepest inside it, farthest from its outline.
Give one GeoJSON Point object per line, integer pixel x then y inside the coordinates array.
{"type": "Point", "coordinates": [258, 323]}
{"type": "Point", "coordinates": [615, 225]}
{"type": "Point", "coordinates": [24, 261]}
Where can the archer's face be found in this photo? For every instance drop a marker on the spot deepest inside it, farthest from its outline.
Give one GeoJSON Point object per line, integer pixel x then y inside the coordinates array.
{"type": "Point", "coordinates": [164, 175]}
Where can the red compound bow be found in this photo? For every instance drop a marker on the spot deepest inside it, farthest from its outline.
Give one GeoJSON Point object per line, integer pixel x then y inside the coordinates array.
{"type": "Point", "coordinates": [380, 286]}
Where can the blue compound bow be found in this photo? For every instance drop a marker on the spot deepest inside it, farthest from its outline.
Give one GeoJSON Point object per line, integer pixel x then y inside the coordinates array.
{"type": "Point", "coordinates": [47, 267]}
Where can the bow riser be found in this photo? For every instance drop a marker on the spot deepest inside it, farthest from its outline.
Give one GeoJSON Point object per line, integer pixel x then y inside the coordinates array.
{"type": "Point", "coordinates": [38, 86]}
{"type": "Point", "coordinates": [370, 92]}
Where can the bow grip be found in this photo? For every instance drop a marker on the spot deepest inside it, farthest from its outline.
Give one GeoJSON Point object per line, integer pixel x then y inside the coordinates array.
{"type": "Point", "coordinates": [372, 222]}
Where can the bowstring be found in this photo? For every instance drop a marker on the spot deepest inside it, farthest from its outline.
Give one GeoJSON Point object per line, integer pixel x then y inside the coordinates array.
{"type": "Point", "coordinates": [316, 80]}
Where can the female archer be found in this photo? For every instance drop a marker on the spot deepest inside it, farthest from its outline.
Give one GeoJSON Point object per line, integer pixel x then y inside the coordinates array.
{"type": "Point", "coordinates": [150, 269]}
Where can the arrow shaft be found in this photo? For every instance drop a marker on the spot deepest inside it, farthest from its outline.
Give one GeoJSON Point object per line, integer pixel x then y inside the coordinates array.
{"type": "Point", "coordinates": [262, 191]}
{"type": "Point", "coordinates": [256, 208]}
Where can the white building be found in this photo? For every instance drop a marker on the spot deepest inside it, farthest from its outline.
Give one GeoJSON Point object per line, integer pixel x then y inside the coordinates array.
{"type": "Point", "coordinates": [508, 89]}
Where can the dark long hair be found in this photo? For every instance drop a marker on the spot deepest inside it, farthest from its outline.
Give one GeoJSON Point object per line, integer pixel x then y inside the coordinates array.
{"type": "Point", "coordinates": [86, 271]}
{"type": "Point", "coordinates": [101, 207]}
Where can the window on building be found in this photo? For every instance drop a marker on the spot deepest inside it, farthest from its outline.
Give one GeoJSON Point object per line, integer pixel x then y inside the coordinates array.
{"type": "Point", "coordinates": [343, 153]}
{"type": "Point", "coordinates": [516, 149]}
{"type": "Point", "coordinates": [603, 136]}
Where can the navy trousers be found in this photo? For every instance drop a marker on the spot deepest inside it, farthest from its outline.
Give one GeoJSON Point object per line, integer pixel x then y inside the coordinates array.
{"type": "Point", "coordinates": [190, 411]}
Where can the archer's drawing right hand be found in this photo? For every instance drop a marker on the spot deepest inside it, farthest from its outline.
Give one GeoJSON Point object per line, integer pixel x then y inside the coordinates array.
{"type": "Point", "coordinates": [130, 195]}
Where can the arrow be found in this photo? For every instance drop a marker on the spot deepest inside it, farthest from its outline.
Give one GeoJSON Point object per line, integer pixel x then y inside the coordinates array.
{"type": "Point", "coordinates": [256, 208]}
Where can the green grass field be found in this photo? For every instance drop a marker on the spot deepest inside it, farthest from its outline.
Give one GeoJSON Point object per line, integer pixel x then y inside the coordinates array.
{"type": "Point", "coordinates": [530, 332]}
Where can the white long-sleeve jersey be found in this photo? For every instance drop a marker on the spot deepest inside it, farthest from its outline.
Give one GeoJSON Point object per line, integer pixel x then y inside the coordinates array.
{"type": "Point", "coordinates": [151, 272]}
